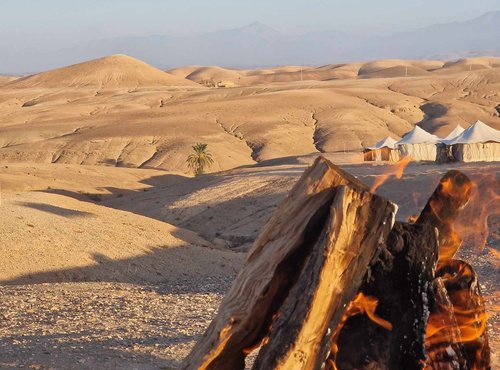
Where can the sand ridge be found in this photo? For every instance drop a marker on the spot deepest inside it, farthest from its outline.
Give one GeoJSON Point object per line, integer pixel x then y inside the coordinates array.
{"type": "Point", "coordinates": [115, 71]}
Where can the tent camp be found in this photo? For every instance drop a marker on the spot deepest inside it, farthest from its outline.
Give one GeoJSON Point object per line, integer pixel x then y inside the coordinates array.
{"type": "Point", "coordinates": [479, 142]}
{"type": "Point", "coordinates": [384, 150]}
{"type": "Point", "coordinates": [418, 144]}
{"type": "Point", "coordinates": [444, 153]}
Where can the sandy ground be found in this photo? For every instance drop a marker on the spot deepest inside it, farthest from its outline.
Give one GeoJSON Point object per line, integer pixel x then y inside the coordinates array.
{"type": "Point", "coordinates": [119, 268]}
{"type": "Point", "coordinates": [118, 111]}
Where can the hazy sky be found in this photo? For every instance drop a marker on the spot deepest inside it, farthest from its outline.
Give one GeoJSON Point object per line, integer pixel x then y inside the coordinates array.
{"type": "Point", "coordinates": [62, 23]}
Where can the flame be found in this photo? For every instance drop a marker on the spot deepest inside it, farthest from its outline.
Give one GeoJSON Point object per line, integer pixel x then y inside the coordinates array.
{"type": "Point", "coordinates": [495, 253]}
{"type": "Point", "coordinates": [396, 170]}
{"type": "Point", "coordinates": [359, 305]}
{"type": "Point", "coordinates": [452, 195]}
{"type": "Point", "coordinates": [484, 204]}
{"type": "Point", "coordinates": [472, 225]}
{"type": "Point", "coordinates": [459, 317]}
{"type": "Point", "coordinates": [470, 325]}
{"type": "Point", "coordinates": [463, 318]}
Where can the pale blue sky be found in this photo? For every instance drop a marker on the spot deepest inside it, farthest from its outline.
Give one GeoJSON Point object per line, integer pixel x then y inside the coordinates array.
{"type": "Point", "coordinates": [63, 23]}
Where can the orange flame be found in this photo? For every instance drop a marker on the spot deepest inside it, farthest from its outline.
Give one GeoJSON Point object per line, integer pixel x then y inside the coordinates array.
{"type": "Point", "coordinates": [463, 319]}
{"type": "Point", "coordinates": [470, 325]}
{"type": "Point", "coordinates": [484, 204]}
{"type": "Point", "coordinates": [396, 170]}
{"type": "Point", "coordinates": [359, 305]}
{"type": "Point", "coordinates": [460, 317]}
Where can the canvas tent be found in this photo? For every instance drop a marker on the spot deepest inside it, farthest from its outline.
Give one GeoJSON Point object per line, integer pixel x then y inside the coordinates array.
{"type": "Point", "coordinates": [444, 153]}
{"type": "Point", "coordinates": [418, 144]}
{"type": "Point", "coordinates": [454, 133]}
{"type": "Point", "coordinates": [479, 142]}
{"type": "Point", "coordinates": [384, 150]}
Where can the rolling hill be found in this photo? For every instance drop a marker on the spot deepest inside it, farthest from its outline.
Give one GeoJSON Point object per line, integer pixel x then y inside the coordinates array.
{"type": "Point", "coordinates": [115, 71]}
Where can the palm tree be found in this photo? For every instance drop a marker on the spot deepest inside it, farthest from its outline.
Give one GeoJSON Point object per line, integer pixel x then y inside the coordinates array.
{"type": "Point", "coordinates": [200, 159]}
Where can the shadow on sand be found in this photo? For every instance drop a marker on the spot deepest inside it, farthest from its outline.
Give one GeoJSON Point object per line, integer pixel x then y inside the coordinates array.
{"type": "Point", "coordinates": [190, 269]}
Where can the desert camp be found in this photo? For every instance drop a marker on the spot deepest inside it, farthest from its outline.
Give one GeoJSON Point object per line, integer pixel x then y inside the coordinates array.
{"type": "Point", "coordinates": [478, 143]}
{"type": "Point", "coordinates": [384, 150]}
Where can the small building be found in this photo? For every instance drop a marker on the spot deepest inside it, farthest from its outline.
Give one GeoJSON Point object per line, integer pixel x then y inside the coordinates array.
{"type": "Point", "coordinates": [478, 143]}
{"type": "Point", "coordinates": [384, 150]}
{"type": "Point", "coordinates": [418, 144]}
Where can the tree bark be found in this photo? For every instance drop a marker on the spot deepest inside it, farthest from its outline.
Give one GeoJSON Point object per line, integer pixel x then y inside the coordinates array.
{"type": "Point", "coordinates": [358, 224]}
{"type": "Point", "coordinates": [401, 279]}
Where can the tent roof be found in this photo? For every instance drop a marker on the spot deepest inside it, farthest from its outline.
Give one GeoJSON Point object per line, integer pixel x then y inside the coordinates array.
{"type": "Point", "coordinates": [454, 133]}
{"type": "Point", "coordinates": [418, 136]}
{"type": "Point", "coordinates": [479, 132]}
{"type": "Point", "coordinates": [388, 142]}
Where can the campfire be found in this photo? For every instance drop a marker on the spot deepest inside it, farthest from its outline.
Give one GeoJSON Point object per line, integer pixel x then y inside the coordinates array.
{"type": "Point", "coordinates": [334, 282]}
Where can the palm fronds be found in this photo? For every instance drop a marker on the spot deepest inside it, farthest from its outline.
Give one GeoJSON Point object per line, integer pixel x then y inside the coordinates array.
{"type": "Point", "coordinates": [200, 160]}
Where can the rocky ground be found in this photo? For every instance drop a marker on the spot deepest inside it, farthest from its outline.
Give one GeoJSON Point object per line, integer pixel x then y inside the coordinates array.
{"type": "Point", "coordinates": [131, 320]}
{"type": "Point", "coordinates": [104, 325]}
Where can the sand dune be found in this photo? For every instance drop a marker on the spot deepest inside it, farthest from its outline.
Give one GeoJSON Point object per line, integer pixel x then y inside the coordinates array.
{"type": "Point", "coordinates": [204, 75]}
{"type": "Point", "coordinates": [390, 68]}
{"type": "Point", "coordinates": [468, 64]}
{"type": "Point", "coordinates": [183, 71]}
{"type": "Point", "coordinates": [116, 71]}
{"type": "Point", "coordinates": [333, 109]}
{"type": "Point", "coordinates": [6, 79]}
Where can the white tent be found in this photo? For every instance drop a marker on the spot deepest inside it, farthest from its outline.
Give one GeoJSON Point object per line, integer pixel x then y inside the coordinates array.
{"type": "Point", "coordinates": [454, 133]}
{"type": "Point", "coordinates": [388, 142]}
{"type": "Point", "coordinates": [419, 145]}
{"type": "Point", "coordinates": [479, 142]}
{"type": "Point", "coordinates": [384, 150]}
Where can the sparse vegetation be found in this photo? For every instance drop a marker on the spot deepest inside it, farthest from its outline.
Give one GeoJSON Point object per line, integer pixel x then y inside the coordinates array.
{"type": "Point", "coordinates": [200, 160]}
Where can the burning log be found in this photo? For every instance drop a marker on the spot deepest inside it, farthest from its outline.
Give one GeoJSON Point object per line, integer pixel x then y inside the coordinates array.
{"type": "Point", "coordinates": [456, 331]}
{"type": "Point", "coordinates": [443, 208]}
{"type": "Point", "coordinates": [331, 277]}
{"type": "Point", "coordinates": [308, 264]}
{"type": "Point", "coordinates": [465, 315]}
{"type": "Point", "coordinates": [443, 344]}
{"type": "Point", "coordinates": [401, 279]}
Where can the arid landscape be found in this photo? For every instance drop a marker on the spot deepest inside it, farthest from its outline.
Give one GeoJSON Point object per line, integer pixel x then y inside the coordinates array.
{"type": "Point", "coordinates": [114, 256]}
{"type": "Point", "coordinates": [119, 111]}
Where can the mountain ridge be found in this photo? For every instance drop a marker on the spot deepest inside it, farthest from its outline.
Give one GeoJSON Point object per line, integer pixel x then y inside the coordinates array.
{"type": "Point", "coordinates": [257, 44]}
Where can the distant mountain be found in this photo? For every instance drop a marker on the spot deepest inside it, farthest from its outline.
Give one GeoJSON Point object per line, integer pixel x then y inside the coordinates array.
{"type": "Point", "coordinates": [260, 45]}
{"type": "Point", "coordinates": [472, 37]}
